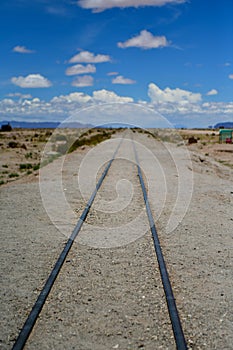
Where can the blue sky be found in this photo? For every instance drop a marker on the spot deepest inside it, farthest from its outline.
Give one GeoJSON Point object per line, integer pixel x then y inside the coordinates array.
{"type": "Point", "coordinates": [174, 57]}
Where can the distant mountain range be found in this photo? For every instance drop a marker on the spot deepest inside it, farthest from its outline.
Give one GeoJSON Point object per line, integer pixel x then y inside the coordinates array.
{"type": "Point", "coordinates": [226, 125]}
{"type": "Point", "coordinates": [54, 125]}
{"type": "Point", "coordinates": [43, 125]}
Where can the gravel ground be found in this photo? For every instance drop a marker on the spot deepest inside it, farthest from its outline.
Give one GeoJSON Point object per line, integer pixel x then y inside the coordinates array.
{"type": "Point", "coordinates": [199, 252]}
{"type": "Point", "coordinates": [109, 294]}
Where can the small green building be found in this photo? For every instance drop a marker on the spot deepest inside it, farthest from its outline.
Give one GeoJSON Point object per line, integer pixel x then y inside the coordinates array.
{"type": "Point", "coordinates": [226, 135]}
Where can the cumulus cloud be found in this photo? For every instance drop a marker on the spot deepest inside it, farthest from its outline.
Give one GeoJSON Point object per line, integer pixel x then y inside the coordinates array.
{"type": "Point", "coordinates": [177, 95]}
{"type": "Point", "coordinates": [102, 5]}
{"type": "Point", "coordinates": [31, 81]}
{"type": "Point", "coordinates": [35, 102]}
{"type": "Point", "coordinates": [230, 76]}
{"type": "Point", "coordinates": [22, 49]}
{"type": "Point", "coordinates": [109, 97]}
{"type": "Point", "coordinates": [74, 97]}
{"type": "Point", "coordinates": [212, 92]}
{"type": "Point", "coordinates": [59, 107]}
{"type": "Point", "coordinates": [75, 104]}
{"type": "Point", "coordinates": [7, 102]}
{"type": "Point", "coordinates": [145, 40]}
{"type": "Point", "coordinates": [80, 69]}
{"type": "Point", "coordinates": [84, 80]}
{"type": "Point", "coordinates": [121, 80]}
{"type": "Point", "coordinates": [217, 108]}
{"type": "Point", "coordinates": [89, 57]}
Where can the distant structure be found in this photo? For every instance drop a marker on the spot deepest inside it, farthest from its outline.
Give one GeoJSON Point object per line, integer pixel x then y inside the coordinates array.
{"type": "Point", "coordinates": [224, 125]}
{"type": "Point", "coordinates": [225, 135]}
{"type": "Point", "coordinates": [6, 127]}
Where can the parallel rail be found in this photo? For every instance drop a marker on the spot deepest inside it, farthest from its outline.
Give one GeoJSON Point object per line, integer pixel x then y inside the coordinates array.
{"type": "Point", "coordinates": [33, 316]}
{"type": "Point", "coordinates": [171, 304]}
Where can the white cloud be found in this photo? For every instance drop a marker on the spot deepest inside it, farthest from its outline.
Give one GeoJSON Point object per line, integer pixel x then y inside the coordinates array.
{"type": "Point", "coordinates": [34, 103]}
{"type": "Point", "coordinates": [109, 97]}
{"type": "Point", "coordinates": [227, 64]}
{"type": "Point", "coordinates": [172, 95]}
{"type": "Point", "coordinates": [101, 5]}
{"type": "Point", "coordinates": [112, 73]}
{"type": "Point", "coordinates": [89, 57]}
{"type": "Point", "coordinates": [145, 40]}
{"type": "Point", "coordinates": [80, 69]}
{"type": "Point", "coordinates": [74, 97]}
{"type": "Point", "coordinates": [121, 80]}
{"type": "Point", "coordinates": [107, 106]}
{"type": "Point", "coordinates": [22, 49]}
{"type": "Point", "coordinates": [230, 76]}
{"type": "Point", "coordinates": [212, 92]}
{"type": "Point", "coordinates": [60, 107]}
{"type": "Point", "coordinates": [7, 102]}
{"type": "Point", "coordinates": [31, 81]}
{"type": "Point", "coordinates": [84, 80]}
{"type": "Point", "coordinates": [217, 107]}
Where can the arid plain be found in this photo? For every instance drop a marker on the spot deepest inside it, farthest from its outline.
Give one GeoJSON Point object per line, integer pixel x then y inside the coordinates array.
{"type": "Point", "coordinates": [111, 297]}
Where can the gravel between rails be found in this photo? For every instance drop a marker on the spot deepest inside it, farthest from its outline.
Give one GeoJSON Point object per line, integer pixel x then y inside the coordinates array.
{"type": "Point", "coordinates": [112, 297]}
{"type": "Point", "coordinates": [106, 298]}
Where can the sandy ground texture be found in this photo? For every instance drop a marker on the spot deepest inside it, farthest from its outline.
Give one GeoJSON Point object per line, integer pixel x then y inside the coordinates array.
{"type": "Point", "coordinates": [23, 151]}
{"type": "Point", "coordinates": [109, 293]}
{"type": "Point", "coordinates": [208, 145]}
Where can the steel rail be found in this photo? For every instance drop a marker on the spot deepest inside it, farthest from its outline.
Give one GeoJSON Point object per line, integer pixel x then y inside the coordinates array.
{"type": "Point", "coordinates": [36, 309]}
{"type": "Point", "coordinates": [171, 303]}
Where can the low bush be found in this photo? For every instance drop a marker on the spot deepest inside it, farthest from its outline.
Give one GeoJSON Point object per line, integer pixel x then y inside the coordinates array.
{"type": "Point", "coordinates": [13, 175]}
{"type": "Point", "coordinates": [28, 155]}
{"type": "Point", "coordinates": [36, 166]}
{"type": "Point", "coordinates": [25, 166]}
{"type": "Point", "coordinates": [90, 141]}
{"type": "Point", "coordinates": [13, 144]}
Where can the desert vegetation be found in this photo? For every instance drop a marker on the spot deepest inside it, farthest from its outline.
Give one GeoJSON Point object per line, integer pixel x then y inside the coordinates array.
{"type": "Point", "coordinates": [23, 150]}
{"type": "Point", "coordinates": [208, 145]}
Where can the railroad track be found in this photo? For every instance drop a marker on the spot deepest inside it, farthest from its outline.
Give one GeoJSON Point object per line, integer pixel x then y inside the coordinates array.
{"type": "Point", "coordinates": [170, 299]}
